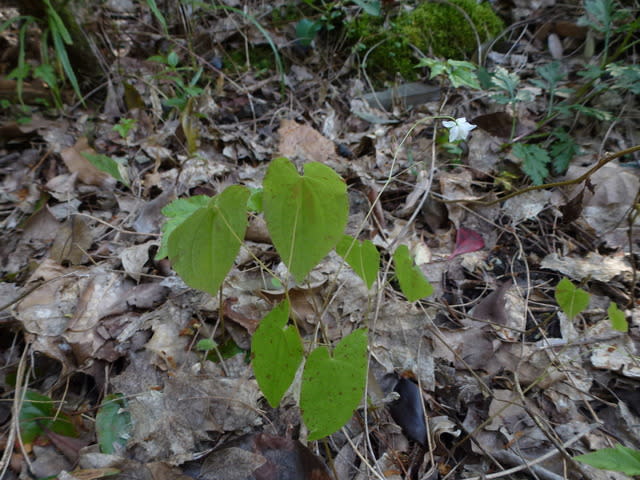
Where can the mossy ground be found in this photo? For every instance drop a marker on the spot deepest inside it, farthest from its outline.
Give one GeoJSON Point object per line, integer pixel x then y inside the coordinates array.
{"type": "Point", "coordinates": [433, 28]}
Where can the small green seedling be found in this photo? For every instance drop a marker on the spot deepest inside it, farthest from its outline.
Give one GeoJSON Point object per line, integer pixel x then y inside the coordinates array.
{"type": "Point", "coordinates": [124, 127]}
{"type": "Point", "coordinates": [572, 300]}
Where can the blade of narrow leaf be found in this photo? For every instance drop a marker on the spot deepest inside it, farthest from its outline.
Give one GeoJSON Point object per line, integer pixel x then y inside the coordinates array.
{"type": "Point", "coordinates": [571, 300]}
{"type": "Point", "coordinates": [363, 257]}
{"type": "Point", "coordinates": [39, 412]}
{"type": "Point", "coordinates": [203, 247]}
{"type": "Point", "coordinates": [619, 459]}
{"type": "Point", "coordinates": [413, 283]}
{"type": "Point", "coordinates": [306, 215]}
{"type": "Point", "coordinates": [616, 317]}
{"type": "Point", "coordinates": [332, 386]}
{"type": "Point", "coordinates": [113, 423]}
{"type": "Point", "coordinates": [177, 212]}
{"type": "Point", "coordinates": [277, 353]}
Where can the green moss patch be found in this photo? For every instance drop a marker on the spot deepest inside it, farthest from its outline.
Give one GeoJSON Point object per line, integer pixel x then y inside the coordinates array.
{"type": "Point", "coordinates": [434, 28]}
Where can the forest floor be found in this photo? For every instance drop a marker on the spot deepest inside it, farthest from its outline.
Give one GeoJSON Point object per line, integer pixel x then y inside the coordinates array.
{"type": "Point", "coordinates": [525, 354]}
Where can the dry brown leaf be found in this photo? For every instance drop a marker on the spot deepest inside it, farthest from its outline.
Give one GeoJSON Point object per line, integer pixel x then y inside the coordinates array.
{"type": "Point", "coordinates": [87, 173]}
{"type": "Point", "coordinates": [304, 142]}
{"type": "Point", "coordinates": [73, 240]}
{"type": "Point", "coordinates": [595, 266]}
{"type": "Point", "coordinates": [262, 457]}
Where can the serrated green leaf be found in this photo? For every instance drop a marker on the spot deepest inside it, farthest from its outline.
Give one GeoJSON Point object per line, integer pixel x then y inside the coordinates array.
{"type": "Point", "coordinates": [333, 385]}
{"type": "Point", "coordinates": [363, 257]}
{"type": "Point", "coordinates": [563, 151]}
{"type": "Point", "coordinates": [596, 113]}
{"type": "Point", "coordinates": [39, 412]}
{"type": "Point", "coordinates": [552, 73]}
{"type": "Point", "coordinates": [617, 319]}
{"type": "Point", "coordinates": [109, 165]}
{"type": "Point", "coordinates": [277, 353]}
{"type": "Point", "coordinates": [619, 459]}
{"type": "Point", "coordinates": [463, 74]}
{"type": "Point", "coordinates": [177, 212]}
{"type": "Point", "coordinates": [113, 423]}
{"type": "Point", "coordinates": [572, 300]}
{"type": "Point", "coordinates": [413, 283]}
{"type": "Point", "coordinates": [506, 80]}
{"type": "Point", "coordinates": [436, 67]}
{"type": "Point", "coordinates": [203, 247]}
{"type": "Point", "coordinates": [626, 76]}
{"type": "Point", "coordinates": [306, 215]}
{"type": "Point", "coordinates": [534, 161]}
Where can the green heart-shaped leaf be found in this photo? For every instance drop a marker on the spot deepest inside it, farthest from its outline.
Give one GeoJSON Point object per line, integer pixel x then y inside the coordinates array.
{"type": "Point", "coordinates": [332, 386]}
{"type": "Point", "coordinates": [203, 247]}
{"type": "Point", "coordinates": [306, 215]}
{"type": "Point", "coordinates": [277, 353]}
{"type": "Point", "coordinates": [616, 317]}
{"type": "Point", "coordinates": [572, 300]}
{"type": "Point", "coordinates": [363, 257]}
{"type": "Point", "coordinates": [177, 212]}
{"type": "Point", "coordinates": [413, 283]}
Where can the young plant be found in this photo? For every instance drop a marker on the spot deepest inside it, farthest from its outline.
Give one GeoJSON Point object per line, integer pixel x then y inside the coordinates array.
{"type": "Point", "coordinates": [124, 127]}
{"type": "Point", "coordinates": [573, 301]}
{"type": "Point", "coordinates": [178, 75]}
{"type": "Point", "coordinates": [306, 216]}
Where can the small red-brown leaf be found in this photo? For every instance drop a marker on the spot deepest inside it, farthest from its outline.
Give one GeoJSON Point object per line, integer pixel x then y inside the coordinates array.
{"type": "Point", "coordinates": [467, 241]}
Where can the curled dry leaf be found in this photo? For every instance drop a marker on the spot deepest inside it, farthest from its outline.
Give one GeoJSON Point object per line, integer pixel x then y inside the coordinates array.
{"type": "Point", "coordinates": [407, 411]}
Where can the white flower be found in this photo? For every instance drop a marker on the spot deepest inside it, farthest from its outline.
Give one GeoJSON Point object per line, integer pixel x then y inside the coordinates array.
{"type": "Point", "coordinates": [458, 130]}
